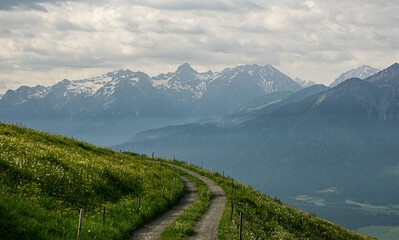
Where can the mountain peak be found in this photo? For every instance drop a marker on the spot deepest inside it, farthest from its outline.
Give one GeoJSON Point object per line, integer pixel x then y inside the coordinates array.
{"type": "Point", "coordinates": [386, 77]}
{"type": "Point", "coordinates": [361, 72]}
{"type": "Point", "coordinates": [304, 83]}
{"type": "Point", "coordinates": [395, 66]}
{"type": "Point", "coordinates": [185, 68]}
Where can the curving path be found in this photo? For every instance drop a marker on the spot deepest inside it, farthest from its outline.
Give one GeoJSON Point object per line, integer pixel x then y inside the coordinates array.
{"type": "Point", "coordinates": [207, 227]}
{"type": "Point", "coordinates": [153, 229]}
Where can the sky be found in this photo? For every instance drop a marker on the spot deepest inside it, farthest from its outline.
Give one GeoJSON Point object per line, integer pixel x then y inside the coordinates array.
{"type": "Point", "coordinates": [45, 41]}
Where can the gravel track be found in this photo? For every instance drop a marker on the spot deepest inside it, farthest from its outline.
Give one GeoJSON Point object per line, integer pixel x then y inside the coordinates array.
{"type": "Point", "coordinates": [153, 229]}
{"type": "Point", "coordinates": [207, 227]}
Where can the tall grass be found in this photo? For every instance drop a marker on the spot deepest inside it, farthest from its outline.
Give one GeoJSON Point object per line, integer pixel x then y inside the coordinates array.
{"type": "Point", "coordinates": [45, 179]}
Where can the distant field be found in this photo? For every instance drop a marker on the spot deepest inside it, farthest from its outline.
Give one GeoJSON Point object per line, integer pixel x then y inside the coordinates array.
{"type": "Point", "coordinates": [376, 209]}
{"type": "Point", "coordinates": [309, 199]}
{"type": "Point", "coordinates": [381, 232]}
{"type": "Point", "coordinates": [346, 215]}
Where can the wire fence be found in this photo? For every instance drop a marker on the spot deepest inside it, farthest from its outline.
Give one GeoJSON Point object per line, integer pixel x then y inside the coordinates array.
{"type": "Point", "coordinates": [128, 204]}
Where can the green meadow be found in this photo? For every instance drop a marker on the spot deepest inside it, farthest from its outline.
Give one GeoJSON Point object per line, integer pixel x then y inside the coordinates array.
{"type": "Point", "coordinates": [46, 179]}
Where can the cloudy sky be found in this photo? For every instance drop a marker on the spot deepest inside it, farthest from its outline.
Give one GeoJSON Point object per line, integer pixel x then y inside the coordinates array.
{"type": "Point", "coordinates": [45, 41]}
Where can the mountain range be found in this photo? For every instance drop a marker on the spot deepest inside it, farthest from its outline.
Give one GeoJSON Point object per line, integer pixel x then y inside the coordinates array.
{"type": "Point", "coordinates": [304, 83]}
{"type": "Point", "coordinates": [361, 72]}
{"type": "Point", "coordinates": [336, 144]}
{"type": "Point", "coordinates": [101, 109]}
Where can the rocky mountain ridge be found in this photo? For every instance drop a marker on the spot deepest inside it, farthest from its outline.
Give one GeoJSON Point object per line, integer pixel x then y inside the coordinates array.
{"type": "Point", "coordinates": [361, 72]}
{"type": "Point", "coordinates": [138, 100]}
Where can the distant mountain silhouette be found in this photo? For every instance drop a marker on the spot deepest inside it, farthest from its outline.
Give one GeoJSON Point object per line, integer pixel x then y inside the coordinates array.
{"type": "Point", "coordinates": [360, 72]}
{"type": "Point", "coordinates": [271, 102]}
{"type": "Point", "coordinates": [346, 138]}
{"type": "Point", "coordinates": [109, 108]}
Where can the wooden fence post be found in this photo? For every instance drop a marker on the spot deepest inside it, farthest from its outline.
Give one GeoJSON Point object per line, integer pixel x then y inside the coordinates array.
{"type": "Point", "coordinates": [103, 215]}
{"type": "Point", "coordinates": [232, 203]}
{"type": "Point", "coordinates": [138, 205]}
{"type": "Point", "coordinates": [240, 230]}
{"type": "Point", "coordinates": [152, 154]}
{"type": "Point", "coordinates": [80, 221]}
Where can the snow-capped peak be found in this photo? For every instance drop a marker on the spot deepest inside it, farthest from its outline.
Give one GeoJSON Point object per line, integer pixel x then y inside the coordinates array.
{"type": "Point", "coordinates": [184, 82]}
{"type": "Point", "coordinates": [362, 72]}
{"type": "Point", "coordinates": [88, 86]}
{"type": "Point", "coordinates": [304, 83]}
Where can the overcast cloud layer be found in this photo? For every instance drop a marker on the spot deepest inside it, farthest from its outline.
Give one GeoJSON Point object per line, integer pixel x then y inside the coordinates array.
{"type": "Point", "coordinates": [43, 42]}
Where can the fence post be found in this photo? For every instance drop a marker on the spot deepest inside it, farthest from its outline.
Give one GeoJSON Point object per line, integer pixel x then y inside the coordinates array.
{"type": "Point", "coordinates": [163, 190]}
{"type": "Point", "coordinates": [232, 202]}
{"type": "Point", "coordinates": [103, 215]}
{"type": "Point", "coordinates": [138, 205]}
{"type": "Point", "coordinates": [80, 221]}
{"type": "Point", "coordinates": [174, 157]}
{"type": "Point", "coordinates": [152, 154]}
{"type": "Point", "coordinates": [240, 225]}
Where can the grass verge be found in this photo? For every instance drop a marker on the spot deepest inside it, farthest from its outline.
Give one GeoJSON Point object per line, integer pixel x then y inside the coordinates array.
{"type": "Point", "coordinates": [267, 218]}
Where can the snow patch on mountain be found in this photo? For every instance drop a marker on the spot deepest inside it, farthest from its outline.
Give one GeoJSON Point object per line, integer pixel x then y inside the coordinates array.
{"type": "Point", "coordinates": [89, 86]}
{"type": "Point", "coordinates": [183, 84]}
{"type": "Point", "coordinates": [362, 72]}
{"type": "Point", "coordinates": [304, 83]}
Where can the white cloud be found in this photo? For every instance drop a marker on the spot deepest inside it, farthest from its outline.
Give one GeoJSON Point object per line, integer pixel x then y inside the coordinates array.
{"type": "Point", "coordinates": [315, 40]}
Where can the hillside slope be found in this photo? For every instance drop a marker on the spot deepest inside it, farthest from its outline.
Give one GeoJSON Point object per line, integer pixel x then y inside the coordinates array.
{"type": "Point", "coordinates": [45, 180]}
{"type": "Point", "coordinates": [337, 148]}
{"type": "Point", "coordinates": [265, 217]}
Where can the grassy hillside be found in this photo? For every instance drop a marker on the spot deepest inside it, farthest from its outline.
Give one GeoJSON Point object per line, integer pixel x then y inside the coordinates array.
{"type": "Point", "coordinates": [45, 179]}
{"type": "Point", "coordinates": [268, 218]}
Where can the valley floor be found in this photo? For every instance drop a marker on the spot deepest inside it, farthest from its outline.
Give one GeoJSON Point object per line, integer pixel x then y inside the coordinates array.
{"type": "Point", "coordinates": [381, 232]}
{"type": "Point", "coordinates": [364, 221]}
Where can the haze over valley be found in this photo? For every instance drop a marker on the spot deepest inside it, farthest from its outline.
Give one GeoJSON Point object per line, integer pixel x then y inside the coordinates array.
{"type": "Point", "coordinates": [298, 99]}
{"type": "Point", "coordinates": [316, 147]}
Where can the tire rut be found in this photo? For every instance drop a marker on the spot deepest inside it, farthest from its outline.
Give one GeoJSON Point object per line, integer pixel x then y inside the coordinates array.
{"type": "Point", "coordinates": [153, 229]}
{"type": "Point", "coordinates": [207, 227]}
